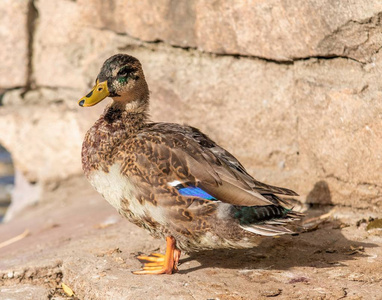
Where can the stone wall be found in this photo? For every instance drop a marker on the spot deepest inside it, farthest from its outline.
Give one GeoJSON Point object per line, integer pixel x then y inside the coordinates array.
{"type": "Point", "coordinates": [292, 88]}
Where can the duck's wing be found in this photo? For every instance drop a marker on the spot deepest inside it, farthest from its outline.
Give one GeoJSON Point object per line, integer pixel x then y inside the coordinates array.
{"type": "Point", "coordinates": [236, 167]}
{"type": "Point", "coordinates": [184, 155]}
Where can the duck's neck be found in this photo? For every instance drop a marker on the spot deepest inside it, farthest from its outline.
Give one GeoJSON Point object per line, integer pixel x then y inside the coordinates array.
{"type": "Point", "coordinates": [125, 118]}
{"type": "Point", "coordinates": [117, 124]}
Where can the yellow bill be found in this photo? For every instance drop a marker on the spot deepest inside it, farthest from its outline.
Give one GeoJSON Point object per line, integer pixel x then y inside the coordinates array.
{"type": "Point", "coordinates": [96, 95]}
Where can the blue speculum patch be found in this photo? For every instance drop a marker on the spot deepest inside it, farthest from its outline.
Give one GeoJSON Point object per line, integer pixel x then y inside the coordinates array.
{"type": "Point", "coordinates": [194, 191]}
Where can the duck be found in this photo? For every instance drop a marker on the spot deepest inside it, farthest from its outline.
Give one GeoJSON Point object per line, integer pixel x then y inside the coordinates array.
{"type": "Point", "coordinates": [172, 179]}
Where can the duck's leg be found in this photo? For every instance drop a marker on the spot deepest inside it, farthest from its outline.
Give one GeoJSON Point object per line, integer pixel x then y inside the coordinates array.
{"type": "Point", "coordinates": [157, 263]}
{"type": "Point", "coordinates": [177, 254]}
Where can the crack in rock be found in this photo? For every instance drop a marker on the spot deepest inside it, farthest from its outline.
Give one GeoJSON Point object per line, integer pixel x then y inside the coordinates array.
{"type": "Point", "coordinates": [50, 276]}
{"type": "Point", "coordinates": [356, 40]}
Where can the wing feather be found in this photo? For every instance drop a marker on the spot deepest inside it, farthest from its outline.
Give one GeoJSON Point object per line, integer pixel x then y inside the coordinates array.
{"type": "Point", "coordinates": [184, 153]}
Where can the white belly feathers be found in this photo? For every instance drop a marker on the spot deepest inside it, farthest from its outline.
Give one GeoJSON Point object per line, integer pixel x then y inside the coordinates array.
{"type": "Point", "coordinates": [114, 187]}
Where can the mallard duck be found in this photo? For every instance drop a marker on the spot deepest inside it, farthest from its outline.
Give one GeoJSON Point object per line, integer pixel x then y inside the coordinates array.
{"type": "Point", "coordinates": [172, 179]}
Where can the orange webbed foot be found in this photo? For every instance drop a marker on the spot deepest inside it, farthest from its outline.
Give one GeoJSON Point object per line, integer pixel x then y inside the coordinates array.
{"type": "Point", "coordinates": [157, 263]}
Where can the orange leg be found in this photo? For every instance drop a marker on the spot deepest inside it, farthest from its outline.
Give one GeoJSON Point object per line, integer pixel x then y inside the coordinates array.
{"type": "Point", "coordinates": [157, 263]}
{"type": "Point", "coordinates": [177, 254]}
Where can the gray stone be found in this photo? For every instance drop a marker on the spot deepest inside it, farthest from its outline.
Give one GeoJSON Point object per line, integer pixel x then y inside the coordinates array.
{"type": "Point", "coordinates": [24, 292]}
{"type": "Point", "coordinates": [47, 151]}
{"type": "Point", "coordinates": [276, 30]}
{"type": "Point", "coordinates": [65, 47]}
{"type": "Point", "coordinates": [14, 43]}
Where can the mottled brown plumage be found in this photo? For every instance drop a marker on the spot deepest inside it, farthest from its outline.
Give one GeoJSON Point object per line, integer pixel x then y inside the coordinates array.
{"type": "Point", "coordinates": [172, 179]}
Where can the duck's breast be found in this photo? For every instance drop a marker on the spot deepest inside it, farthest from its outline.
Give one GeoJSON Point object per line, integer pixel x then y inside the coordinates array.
{"type": "Point", "coordinates": [115, 187]}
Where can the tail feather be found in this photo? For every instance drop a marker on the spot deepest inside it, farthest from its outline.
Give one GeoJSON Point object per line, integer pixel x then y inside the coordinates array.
{"type": "Point", "coordinates": [267, 230]}
{"type": "Point", "coordinates": [266, 220]}
{"type": "Point", "coordinates": [259, 214]}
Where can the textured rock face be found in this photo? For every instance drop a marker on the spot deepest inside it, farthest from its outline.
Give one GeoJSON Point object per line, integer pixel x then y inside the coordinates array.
{"type": "Point", "coordinates": [275, 30]}
{"type": "Point", "coordinates": [298, 103]}
{"type": "Point", "coordinates": [14, 43]}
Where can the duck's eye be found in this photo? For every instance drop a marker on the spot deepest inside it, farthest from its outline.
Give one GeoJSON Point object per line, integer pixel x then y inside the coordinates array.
{"type": "Point", "coordinates": [125, 72]}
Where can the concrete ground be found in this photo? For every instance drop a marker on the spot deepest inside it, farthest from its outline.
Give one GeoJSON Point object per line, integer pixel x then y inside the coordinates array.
{"type": "Point", "coordinates": [83, 243]}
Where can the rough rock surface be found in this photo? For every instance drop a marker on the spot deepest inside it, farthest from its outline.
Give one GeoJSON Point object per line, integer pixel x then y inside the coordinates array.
{"type": "Point", "coordinates": [275, 30]}
{"type": "Point", "coordinates": [14, 39]}
{"type": "Point", "coordinates": [296, 95]}
{"type": "Point", "coordinates": [85, 244]}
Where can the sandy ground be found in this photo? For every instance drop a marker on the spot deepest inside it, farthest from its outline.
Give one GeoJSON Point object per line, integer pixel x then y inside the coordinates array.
{"type": "Point", "coordinates": [85, 244]}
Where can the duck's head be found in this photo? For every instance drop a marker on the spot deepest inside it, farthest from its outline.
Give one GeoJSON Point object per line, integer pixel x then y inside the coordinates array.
{"type": "Point", "coordinates": [121, 78]}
